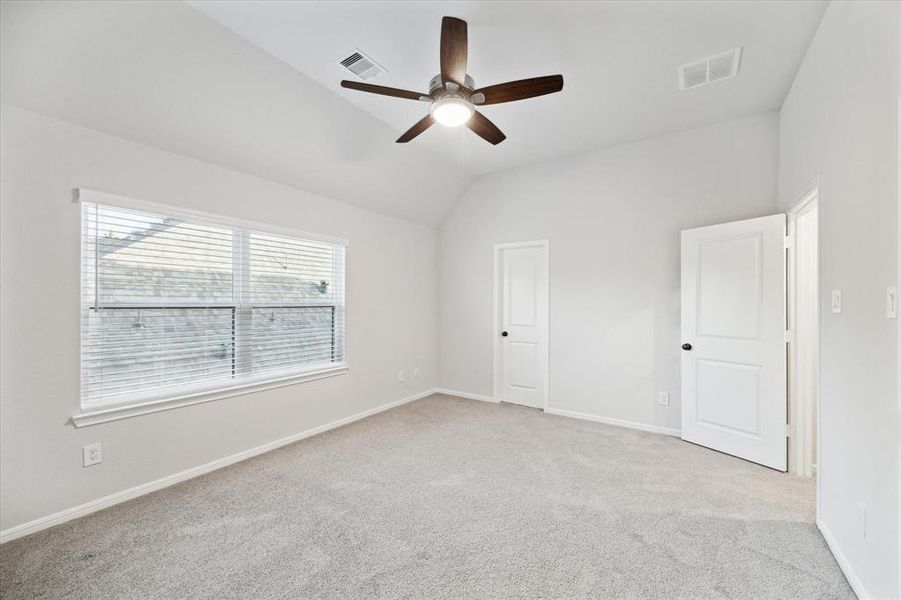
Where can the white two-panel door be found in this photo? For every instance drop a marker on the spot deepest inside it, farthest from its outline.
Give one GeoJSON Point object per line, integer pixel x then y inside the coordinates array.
{"type": "Point", "coordinates": [733, 335]}
{"type": "Point", "coordinates": [521, 343]}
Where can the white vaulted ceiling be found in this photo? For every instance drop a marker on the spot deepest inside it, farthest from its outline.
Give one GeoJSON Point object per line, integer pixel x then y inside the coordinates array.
{"type": "Point", "coordinates": [261, 94]}
{"type": "Point", "coordinates": [165, 75]}
{"type": "Point", "coordinates": [619, 61]}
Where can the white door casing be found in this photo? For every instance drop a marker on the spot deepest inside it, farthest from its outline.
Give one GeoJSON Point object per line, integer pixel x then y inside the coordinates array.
{"type": "Point", "coordinates": [521, 311]}
{"type": "Point", "coordinates": [803, 321]}
{"type": "Point", "coordinates": [733, 318]}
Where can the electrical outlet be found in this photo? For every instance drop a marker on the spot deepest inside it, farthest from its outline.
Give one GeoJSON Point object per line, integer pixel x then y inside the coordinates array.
{"type": "Point", "coordinates": [862, 519]}
{"type": "Point", "coordinates": [401, 377]}
{"type": "Point", "coordinates": [91, 455]}
{"type": "Point", "coordinates": [417, 374]}
{"type": "Point", "coordinates": [663, 398]}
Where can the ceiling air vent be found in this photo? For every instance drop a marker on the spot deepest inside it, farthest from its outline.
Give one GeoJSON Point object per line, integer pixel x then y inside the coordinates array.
{"type": "Point", "coordinates": [361, 65]}
{"type": "Point", "coordinates": [715, 68]}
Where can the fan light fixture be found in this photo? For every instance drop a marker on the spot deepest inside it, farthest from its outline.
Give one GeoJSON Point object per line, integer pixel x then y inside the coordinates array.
{"type": "Point", "coordinates": [452, 111]}
{"type": "Point", "coordinates": [453, 94]}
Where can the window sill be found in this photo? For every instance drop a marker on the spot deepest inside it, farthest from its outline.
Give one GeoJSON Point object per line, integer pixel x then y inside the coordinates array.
{"type": "Point", "coordinates": [105, 415]}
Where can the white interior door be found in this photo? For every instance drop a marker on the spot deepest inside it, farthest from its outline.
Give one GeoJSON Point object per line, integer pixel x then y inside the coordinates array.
{"type": "Point", "coordinates": [733, 334]}
{"type": "Point", "coordinates": [521, 351]}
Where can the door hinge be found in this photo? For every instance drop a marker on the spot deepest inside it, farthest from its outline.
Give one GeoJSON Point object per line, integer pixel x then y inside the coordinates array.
{"type": "Point", "coordinates": [789, 430]}
{"type": "Point", "coordinates": [789, 337]}
{"type": "Point", "coordinates": [788, 241]}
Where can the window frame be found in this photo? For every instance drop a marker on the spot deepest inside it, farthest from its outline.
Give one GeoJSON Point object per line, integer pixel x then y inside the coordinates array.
{"type": "Point", "coordinates": [150, 401]}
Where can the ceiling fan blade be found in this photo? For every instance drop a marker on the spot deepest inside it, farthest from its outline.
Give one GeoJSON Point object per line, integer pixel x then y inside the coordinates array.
{"type": "Point", "coordinates": [485, 129]}
{"type": "Point", "coordinates": [453, 50]}
{"type": "Point", "coordinates": [385, 91]}
{"type": "Point", "coordinates": [420, 126]}
{"type": "Point", "coordinates": [518, 90]}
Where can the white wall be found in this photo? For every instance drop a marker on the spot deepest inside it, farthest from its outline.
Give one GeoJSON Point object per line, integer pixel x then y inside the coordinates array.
{"type": "Point", "coordinates": [391, 323]}
{"type": "Point", "coordinates": [839, 122]}
{"type": "Point", "coordinates": [613, 219]}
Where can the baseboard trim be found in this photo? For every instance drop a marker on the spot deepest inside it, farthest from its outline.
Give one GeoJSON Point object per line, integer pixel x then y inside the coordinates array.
{"type": "Point", "coordinates": [571, 414]}
{"type": "Point", "coordinates": [842, 561]}
{"type": "Point", "coordinates": [618, 422]}
{"type": "Point", "coordinates": [466, 395]}
{"type": "Point", "coordinates": [92, 506]}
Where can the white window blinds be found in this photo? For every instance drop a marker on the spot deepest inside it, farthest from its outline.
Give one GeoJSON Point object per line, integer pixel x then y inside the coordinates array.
{"type": "Point", "coordinates": [174, 305]}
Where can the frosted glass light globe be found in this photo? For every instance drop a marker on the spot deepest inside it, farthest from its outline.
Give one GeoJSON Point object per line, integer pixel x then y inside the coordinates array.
{"type": "Point", "coordinates": [452, 111]}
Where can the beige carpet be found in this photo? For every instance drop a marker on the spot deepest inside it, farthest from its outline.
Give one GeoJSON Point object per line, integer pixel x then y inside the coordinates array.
{"type": "Point", "coordinates": [450, 498]}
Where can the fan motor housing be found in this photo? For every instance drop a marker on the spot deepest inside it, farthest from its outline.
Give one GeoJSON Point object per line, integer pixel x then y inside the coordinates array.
{"type": "Point", "coordinates": [436, 85]}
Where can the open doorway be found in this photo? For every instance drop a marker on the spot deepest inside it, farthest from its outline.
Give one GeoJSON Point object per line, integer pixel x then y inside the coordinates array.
{"type": "Point", "coordinates": [804, 324]}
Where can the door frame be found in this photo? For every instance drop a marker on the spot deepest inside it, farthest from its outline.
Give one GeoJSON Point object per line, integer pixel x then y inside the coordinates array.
{"type": "Point", "coordinates": [496, 340]}
{"type": "Point", "coordinates": [810, 197]}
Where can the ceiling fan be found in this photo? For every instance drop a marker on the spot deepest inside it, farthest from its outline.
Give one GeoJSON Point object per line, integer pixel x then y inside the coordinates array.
{"type": "Point", "coordinates": [453, 94]}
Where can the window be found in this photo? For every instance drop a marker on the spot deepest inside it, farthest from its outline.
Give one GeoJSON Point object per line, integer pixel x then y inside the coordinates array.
{"type": "Point", "coordinates": [174, 306]}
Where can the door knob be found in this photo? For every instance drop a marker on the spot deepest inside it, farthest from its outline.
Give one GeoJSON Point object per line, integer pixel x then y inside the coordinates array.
{"type": "Point", "coordinates": [686, 346]}
{"type": "Point", "coordinates": [504, 333]}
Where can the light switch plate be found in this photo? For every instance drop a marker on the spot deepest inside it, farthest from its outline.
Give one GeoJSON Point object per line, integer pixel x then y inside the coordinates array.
{"type": "Point", "coordinates": [891, 303]}
{"type": "Point", "coordinates": [837, 301]}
